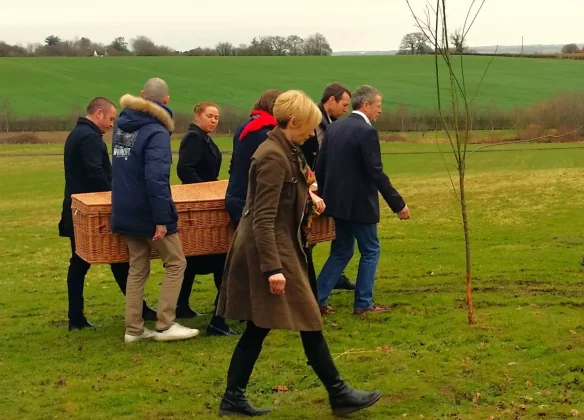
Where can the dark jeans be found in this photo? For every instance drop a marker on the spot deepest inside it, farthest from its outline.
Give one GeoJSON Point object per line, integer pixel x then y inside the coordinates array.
{"type": "Point", "coordinates": [78, 268]}
{"type": "Point", "coordinates": [250, 345]}
{"type": "Point", "coordinates": [201, 264]}
{"type": "Point", "coordinates": [342, 249]}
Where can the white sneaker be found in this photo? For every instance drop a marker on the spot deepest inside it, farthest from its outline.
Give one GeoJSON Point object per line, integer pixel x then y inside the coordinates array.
{"type": "Point", "coordinates": [144, 336]}
{"type": "Point", "coordinates": [176, 332]}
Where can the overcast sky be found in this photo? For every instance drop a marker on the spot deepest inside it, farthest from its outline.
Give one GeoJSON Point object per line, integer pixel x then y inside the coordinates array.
{"type": "Point", "coordinates": [347, 24]}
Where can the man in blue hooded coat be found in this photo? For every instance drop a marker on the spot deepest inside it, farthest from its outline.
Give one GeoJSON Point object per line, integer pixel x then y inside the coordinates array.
{"type": "Point", "coordinates": [143, 210]}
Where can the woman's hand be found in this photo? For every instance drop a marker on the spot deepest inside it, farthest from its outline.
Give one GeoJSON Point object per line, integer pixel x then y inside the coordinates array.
{"type": "Point", "coordinates": [318, 202]}
{"type": "Point", "coordinates": [277, 284]}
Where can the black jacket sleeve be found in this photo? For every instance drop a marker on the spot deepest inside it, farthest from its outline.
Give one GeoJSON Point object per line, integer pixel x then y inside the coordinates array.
{"type": "Point", "coordinates": [320, 167]}
{"type": "Point", "coordinates": [371, 154]}
{"type": "Point", "coordinates": [189, 156]}
{"type": "Point", "coordinates": [91, 153]}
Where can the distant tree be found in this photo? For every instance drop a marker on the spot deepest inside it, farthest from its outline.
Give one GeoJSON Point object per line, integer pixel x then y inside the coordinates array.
{"type": "Point", "coordinates": [199, 52]}
{"type": "Point", "coordinates": [144, 46]}
{"type": "Point", "coordinates": [457, 39]}
{"type": "Point", "coordinates": [408, 44]}
{"type": "Point", "coordinates": [119, 44]}
{"type": "Point", "coordinates": [52, 40]}
{"type": "Point", "coordinates": [570, 49]}
{"type": "Point", "coordinates": [295, 45]}
{"type": "Point", "coordinates": [422, 46]}
{"type": "Point", "coordinates": [414, 43]}
{"type": "Point", "coordinates": [225, 49]}
{"type": "Point", "coordinates": [7, 50]}
{"type": "Point", "coordinates": [279, 45]}
{"type": "Point", "coordinates": [241, 49]}
{"type": "Point", "coordinates": [317, 44]}
{"type": "Point", "coordinates": [84, 46]}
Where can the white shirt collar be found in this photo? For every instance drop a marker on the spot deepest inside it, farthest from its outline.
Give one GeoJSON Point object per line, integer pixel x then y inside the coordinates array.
{"type": "Point", "coordinates": [363, 115]}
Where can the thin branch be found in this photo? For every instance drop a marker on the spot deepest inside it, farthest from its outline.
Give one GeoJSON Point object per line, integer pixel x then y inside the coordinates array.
{"type": "Point", "coordinates": [475, 17]}
{"type": "Point", "coordinates": [467, 16]}
{"type": "Point", "coordinates": [447, 171]}
{"type": "Point", "coordinates": [484, 76]}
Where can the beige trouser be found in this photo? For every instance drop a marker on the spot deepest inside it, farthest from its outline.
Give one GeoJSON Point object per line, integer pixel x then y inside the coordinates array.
{"type": "Point", "coordinates": [170, 250]}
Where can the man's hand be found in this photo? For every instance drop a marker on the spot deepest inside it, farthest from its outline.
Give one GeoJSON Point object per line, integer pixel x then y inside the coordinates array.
{"type": "Point", "coordinates": [404, 214]}
{"type": "Point", "coordinates": [277, 284]}
{"type": "Point", "coordinates": [160, 232]}
{"type": "Point", "coordinates": [318, 202]}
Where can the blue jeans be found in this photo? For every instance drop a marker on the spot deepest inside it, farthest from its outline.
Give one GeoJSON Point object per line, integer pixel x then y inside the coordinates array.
{"type": "Point", "coordinates": [342, 249]}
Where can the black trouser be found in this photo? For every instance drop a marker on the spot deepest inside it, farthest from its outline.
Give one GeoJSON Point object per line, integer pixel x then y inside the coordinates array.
{"type": "Point", "coordinates": [249, 348]}
{"type": "Point", "coordinates": [78, 268]}
{"type": "Point", "coordinates": [311, 271]}
{"type": "Point", "coordinates": [201, 264]}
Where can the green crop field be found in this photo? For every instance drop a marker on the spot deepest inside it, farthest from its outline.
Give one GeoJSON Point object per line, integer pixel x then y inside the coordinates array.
{"type": "Point", "coordinates": [43, 86]}
{"type": "Point", "coordinates": [523, 359]}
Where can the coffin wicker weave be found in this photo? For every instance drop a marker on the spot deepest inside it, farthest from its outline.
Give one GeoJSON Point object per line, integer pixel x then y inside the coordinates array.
{"type": "Point", "coordinates": [204, 225]}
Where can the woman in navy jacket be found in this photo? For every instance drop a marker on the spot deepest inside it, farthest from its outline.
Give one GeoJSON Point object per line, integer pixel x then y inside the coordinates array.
{"type": "Point", "coordinates": [200, 161]}
{"type": "Point", "coordinates": [247, 139]}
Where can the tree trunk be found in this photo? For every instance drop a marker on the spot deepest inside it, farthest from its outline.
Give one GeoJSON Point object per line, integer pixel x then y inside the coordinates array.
{"type": "Point", "coordinates": [467, 247]}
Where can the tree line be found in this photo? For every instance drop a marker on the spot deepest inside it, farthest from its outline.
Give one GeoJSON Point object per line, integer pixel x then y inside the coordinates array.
{"type": "Point", "coordinates": [416, 43]}
{"type": "Point", "coordinates": [53, 46]}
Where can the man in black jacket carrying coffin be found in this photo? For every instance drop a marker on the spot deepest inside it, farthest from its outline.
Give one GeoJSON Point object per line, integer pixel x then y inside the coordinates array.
{"type": "Point", "coordinates": [333, 105]}
{"type": "Point", "coordinates": [88, 169]}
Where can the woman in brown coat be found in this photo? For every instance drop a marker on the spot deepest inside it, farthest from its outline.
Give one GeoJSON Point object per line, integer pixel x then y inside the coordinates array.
{"type": "Point", "coordinates": [266, 281]}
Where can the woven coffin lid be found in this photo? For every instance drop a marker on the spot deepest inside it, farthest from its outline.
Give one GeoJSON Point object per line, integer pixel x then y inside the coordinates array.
{"type": "Point", "coordinates": [203, 196]}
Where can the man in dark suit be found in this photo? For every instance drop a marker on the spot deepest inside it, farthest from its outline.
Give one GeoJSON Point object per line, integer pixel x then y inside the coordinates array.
{"type": "Point", "coordinates": [350, 174]}
{"type": "Point", "coordinates": [87, 170]}
{"type": "Point", "coordinates": [333, 105]}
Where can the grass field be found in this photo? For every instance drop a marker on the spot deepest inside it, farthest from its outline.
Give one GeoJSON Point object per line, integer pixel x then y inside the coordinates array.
{"type": "Point", "coordinates": [523, 359]}
{"type": "Point", "coordinates": [55, 85]}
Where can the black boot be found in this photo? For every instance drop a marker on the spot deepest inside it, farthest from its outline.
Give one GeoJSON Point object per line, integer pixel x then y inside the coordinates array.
{"type": "Point", "coordinates": [344, 284]}
{"type": "Point", "coordinates": [342, 398]}
{"type": "Point", "coordinates": [80, 324]}
{"type": "Point", "coordinates": [219, 328]}
{"type": "Point", "coordinates": [148, 314]}
{"type": "Point", "coordinates": [185, 312]}
{"type": "Point", "coordinates": [234, 402]}
{"type": "Point", "coordinates": [345, 400]}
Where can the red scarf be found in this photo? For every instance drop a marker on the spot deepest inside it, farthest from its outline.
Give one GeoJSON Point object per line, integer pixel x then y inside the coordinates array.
{"type": "Point", "coordinates": [262, 120]}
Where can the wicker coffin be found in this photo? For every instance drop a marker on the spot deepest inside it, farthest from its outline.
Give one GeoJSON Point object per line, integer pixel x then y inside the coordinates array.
{"type": "Point", "coordinates": [204, 225]}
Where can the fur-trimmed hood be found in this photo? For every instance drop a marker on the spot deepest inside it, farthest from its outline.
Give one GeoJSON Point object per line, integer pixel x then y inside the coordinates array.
{"type": "Point", "coordinates": [145, 111]}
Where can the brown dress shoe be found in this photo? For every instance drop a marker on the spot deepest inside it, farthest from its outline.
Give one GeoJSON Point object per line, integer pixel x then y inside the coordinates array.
{"type": "Point", "coordinates": [375, 309]}
{"type": "Point", "coordinates": [326, 310]}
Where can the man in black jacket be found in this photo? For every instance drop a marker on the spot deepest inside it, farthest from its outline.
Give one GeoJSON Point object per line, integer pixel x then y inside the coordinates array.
{"type": "Point", "coordinates": [87, 170]}
{"type": "Point", "coordinates": [333, 105]}
{"type": "Point", "coordinates": [350, 174]}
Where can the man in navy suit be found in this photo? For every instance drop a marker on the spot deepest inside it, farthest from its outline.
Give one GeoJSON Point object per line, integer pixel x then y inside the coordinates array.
{"type": "Point", "coordinates": [350, 176]}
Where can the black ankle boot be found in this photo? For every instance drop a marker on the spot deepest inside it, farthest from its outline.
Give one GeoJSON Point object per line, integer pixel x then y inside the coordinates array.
{"type": "Point", "coordinates": [234, 402]}
{"type": "Point", "coordinates": [342, 398]}
{"type": "Point", "coordinates": [345, 400]}
{"type": "Point", "coordinates": [185, 312]}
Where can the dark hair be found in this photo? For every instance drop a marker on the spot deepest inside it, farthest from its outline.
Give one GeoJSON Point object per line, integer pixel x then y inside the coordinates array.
{"type": "Point", "coordinates": [98, 103]}
{"type": "Point", "coordinates": [202, 106]}
{"type": "Point", "coordinates": [336, 90]}
{"type": "Point", "coordinates": [267, 100]}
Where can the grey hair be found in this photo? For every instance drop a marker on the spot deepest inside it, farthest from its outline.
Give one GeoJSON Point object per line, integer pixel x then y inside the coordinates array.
{"type": "Point", "coordinates": [363, 94]}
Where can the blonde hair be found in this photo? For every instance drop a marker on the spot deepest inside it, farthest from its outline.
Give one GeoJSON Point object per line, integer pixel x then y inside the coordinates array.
{"type": "Point", "coordinates": [298, 105]}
